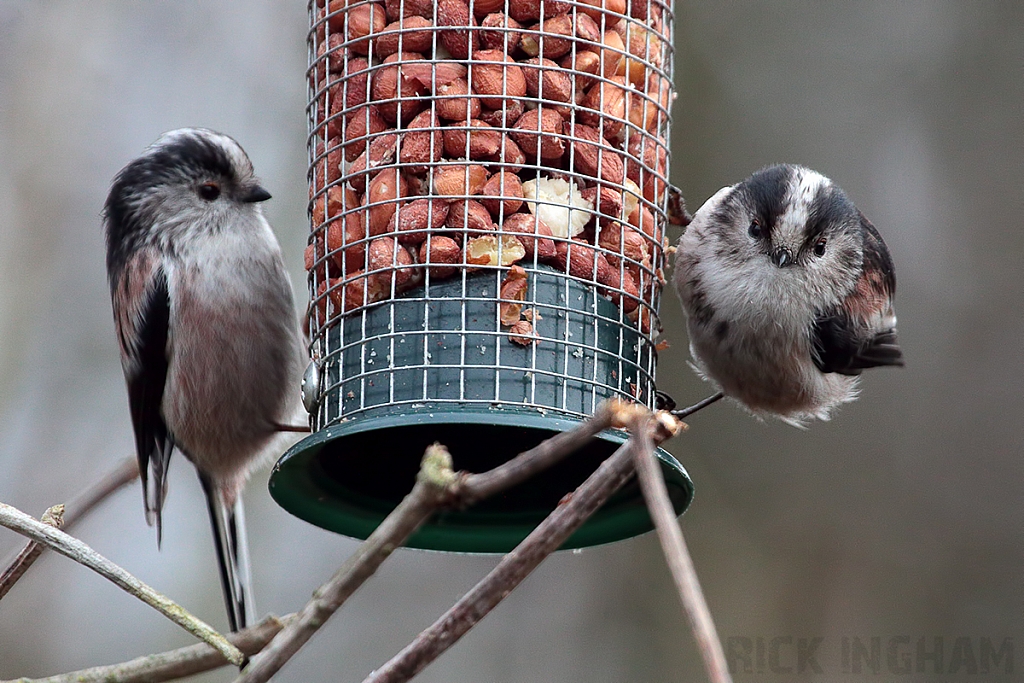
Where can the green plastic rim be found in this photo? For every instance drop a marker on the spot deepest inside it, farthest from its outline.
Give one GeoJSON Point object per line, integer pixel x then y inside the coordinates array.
{"type": "Point", "coordinates": [348, 477]}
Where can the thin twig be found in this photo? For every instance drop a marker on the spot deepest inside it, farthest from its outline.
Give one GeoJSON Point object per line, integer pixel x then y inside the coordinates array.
{"type": "Point", "coordinates": [475, 487]}
{"type": "Point", "coordinates": [448, 489]}
{"type": "Point", "coordinates": [83, 503]}
{"type": "Point", "coordinates": [652, 484]}
{"type": "Point", "coordinates": [434, 481]}
{"type": "Point", "coordinates": [509, 573]}
{"type": "Point", "coordinates": [78, 551]}
{"type": "Point", "coordinates": [174, 664]}
{"type": "Point", "coordinates": [464, 489]}
{"type": "Point", "coordinates": [54, 516]}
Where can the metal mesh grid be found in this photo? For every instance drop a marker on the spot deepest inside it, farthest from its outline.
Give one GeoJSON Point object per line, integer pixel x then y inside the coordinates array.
{"type": "Point", "coordinates": [445, 137]}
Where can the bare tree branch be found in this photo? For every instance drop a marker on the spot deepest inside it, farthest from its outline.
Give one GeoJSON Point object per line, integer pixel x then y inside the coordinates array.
{"type": "Point", "coordinates": [175, 664]}
{"type": "Point", "coordinates": [54, 516]}
{"type": "Point", "coordinates": [463, 489]}
{"type": "Point", "coordinates": [73, 511]}
{"type": "Point", "coordinates": [652, 484]}
{"type": "Point", "coordinates": [475, 487]}
{"type": "Point", "coordinates": [84, 502]}
{"type": "Point", "coordinates": [433, 482]}
{"type": "Point", "coordinates": [437, 486]}
{"type": "Point", "coordinates": [513, 568]}
{"type": "Point", "coordinates": [78, 551]}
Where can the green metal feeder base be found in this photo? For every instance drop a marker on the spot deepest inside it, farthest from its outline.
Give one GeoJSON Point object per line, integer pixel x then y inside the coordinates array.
{"type": "Point", "coordinates": [348, 477]}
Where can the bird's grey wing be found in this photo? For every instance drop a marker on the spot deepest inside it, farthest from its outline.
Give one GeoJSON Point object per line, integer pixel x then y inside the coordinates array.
{"type": "Point", "coordinates": [142, 309]}
{"type": "Point", "coordinates": [877, 259]}
{"type": "Point", "coordinates": [840, 345]}
{"type": "Point", "coordinates": [843, 340]}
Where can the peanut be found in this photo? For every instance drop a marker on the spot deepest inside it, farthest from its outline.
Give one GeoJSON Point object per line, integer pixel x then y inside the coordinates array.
{"type": "Point", "coordinates": [440, 249]}
{"type": "Point", "coordinates": [524, 224]}
{"type": "Point", "coordinates": [504, 194]}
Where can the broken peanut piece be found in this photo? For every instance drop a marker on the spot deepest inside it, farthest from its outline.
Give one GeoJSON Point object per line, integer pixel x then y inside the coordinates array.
{"type": "Point", "coordinates": [513, 293]}
{"type": "Point", "coordinates": [494, 250]}
{"type": "Point", "coordinates": [522, 333]}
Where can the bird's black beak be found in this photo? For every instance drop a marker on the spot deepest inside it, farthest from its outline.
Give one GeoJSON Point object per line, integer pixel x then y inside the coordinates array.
{"type": "Point", "coordinates": [782, 257]}
{"type": "Point", "coordinates": [256, 193]}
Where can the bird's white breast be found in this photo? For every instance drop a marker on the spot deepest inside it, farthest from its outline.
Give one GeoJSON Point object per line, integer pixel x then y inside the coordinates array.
{"type": "Point", "coordinates": [234, 345]}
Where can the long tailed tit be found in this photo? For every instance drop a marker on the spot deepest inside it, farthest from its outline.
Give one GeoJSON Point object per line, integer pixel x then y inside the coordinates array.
{"type": "Point", "coordinates": [788, 290]}
{"type": "Point", "coordinates": [206, 325]}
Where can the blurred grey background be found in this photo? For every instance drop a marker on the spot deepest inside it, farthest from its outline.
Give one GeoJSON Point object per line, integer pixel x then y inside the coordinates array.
{"type": "Point", "coordinates": [900, 518]}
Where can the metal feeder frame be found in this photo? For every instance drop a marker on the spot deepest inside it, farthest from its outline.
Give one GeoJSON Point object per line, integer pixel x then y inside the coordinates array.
{"type": "Point", "coordinates": [435, 363]}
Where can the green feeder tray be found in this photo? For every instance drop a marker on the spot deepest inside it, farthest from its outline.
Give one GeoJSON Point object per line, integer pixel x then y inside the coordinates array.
{"type": "Point", "coordinates": [435, 364]}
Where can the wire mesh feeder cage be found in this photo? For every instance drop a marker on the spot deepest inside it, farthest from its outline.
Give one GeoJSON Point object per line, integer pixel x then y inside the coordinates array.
{"type": "Point", "coordinates": [488, 189]}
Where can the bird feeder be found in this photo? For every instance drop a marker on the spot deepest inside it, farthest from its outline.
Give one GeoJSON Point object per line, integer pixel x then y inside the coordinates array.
{"type": "Point", "coordinates": [488, 186]}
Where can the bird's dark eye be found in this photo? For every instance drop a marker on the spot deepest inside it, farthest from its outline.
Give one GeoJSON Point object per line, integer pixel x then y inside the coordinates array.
{"type": "Point", "coordinates": [819, 247]}
{"type": "Point", "coordinates": [209, 191]}
{"type": "Point", "coordinates": [755, 229]}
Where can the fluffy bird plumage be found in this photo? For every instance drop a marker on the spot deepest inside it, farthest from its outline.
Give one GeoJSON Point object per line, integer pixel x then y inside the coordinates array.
{"type": "Point", "coordinates": [788, 291]}
{"type": "Point", "coordinates": [206, 325]}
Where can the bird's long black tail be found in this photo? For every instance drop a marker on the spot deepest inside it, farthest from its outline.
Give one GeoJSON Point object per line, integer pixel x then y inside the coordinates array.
{"type": "Point", "coordinates": [232, 548]}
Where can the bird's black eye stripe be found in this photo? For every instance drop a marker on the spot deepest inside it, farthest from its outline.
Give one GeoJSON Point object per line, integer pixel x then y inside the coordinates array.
{"type": "Point", "coordinates": [209, 191]}
{"type": "Point", "coordinates": [755, 230]}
